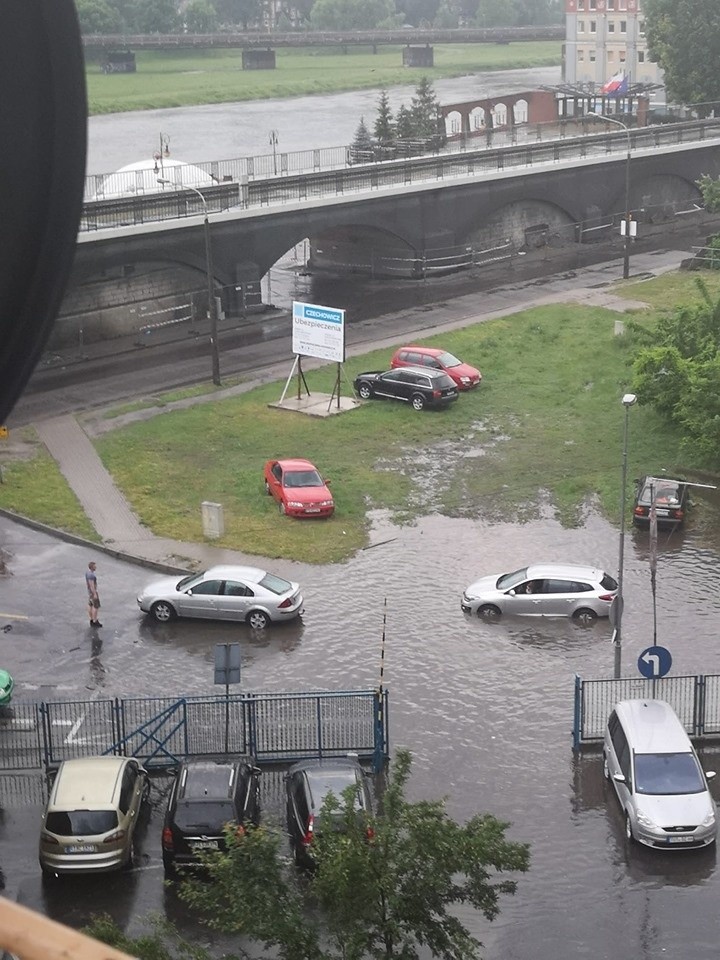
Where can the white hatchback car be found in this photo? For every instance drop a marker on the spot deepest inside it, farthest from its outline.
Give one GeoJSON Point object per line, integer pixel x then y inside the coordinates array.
{"type": "Point", "coordinates": [662, 789]}
{"type": "Point", "coordinates": [543, 590]}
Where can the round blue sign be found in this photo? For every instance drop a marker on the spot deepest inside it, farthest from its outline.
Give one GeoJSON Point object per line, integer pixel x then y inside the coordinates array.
{"type": "Point", "coordinates": [654, 662]}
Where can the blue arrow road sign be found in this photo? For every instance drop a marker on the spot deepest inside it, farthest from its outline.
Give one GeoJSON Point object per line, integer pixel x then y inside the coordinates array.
{"type": "Point", "coordinates": [654, 662]}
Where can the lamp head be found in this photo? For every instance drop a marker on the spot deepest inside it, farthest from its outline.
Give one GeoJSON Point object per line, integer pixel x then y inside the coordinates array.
{"type": "Point", "coordinates": [629, 399]}
{"type": "Point", "coordinates": [165, 182]}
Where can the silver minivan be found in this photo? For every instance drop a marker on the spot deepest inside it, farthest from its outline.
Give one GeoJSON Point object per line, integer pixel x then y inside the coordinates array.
{"type": "Point", "coordinates": [662, 789]}
{"type": "Point", "coordinates": [91, 815]}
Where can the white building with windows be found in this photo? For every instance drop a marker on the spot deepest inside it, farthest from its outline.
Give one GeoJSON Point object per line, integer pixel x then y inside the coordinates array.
{"type": "Point", "coordinates": [604, 38]}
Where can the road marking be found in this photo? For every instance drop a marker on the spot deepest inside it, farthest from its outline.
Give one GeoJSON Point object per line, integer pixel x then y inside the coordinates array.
{"type": "Point", "coordinates": [13, 616]}
{"type": "Point", "coordinates": [70, 738]}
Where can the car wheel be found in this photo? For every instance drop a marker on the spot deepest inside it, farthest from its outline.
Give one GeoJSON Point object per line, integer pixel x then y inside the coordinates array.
{"type": "Point", "coordinates": [628, 828]}
{"type": "Point", "coordinates": [488, 611]}
{"type": "Point", "coordinates": [418, 402]}
{"type": "Point", "coordinates": [267, 489]}
{"type": "Point", "coordinates": [258, 620]}
{"type": "Point", "coordinates": [162, 611]}
{"type": "Point", "coordinates": [130, 862]}
{"type": "Point", "coordinates": [365, 391]}
{"type": "Point", "coordinates": [169, 868]}
{"type": "Point", "coordinates": [585, 617]}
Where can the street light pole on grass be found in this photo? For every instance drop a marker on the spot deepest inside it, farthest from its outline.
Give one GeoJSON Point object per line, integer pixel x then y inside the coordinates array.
{"type": "Point", "coordinates": [212, 306]}
{"type": "Point", "coordinates": [628, 400]}
{"type": "Point", "coordinates": [626, 225]}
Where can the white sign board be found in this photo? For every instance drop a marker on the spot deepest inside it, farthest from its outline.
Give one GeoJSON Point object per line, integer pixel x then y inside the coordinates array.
{"type": "Point", "coordinates": [318, 332]}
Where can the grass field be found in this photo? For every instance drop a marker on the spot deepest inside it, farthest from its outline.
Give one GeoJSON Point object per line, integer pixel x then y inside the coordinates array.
{"type": "Point", "coordinates": [179, 79]}
{"type": "Point", "coordinates": [543, 432]}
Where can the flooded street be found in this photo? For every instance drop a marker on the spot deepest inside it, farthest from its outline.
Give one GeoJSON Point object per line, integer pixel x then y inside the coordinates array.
{"type": "Point", "coordinates": [485, 708]}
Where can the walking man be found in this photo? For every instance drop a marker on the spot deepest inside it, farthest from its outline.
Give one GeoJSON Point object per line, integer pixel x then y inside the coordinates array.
{"type": "Point", "coordinates": [93, 595]}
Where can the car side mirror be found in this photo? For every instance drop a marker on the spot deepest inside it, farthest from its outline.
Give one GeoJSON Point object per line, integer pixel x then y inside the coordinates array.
{"type": "Point", "coordinates": [709, 774]}
{"type": "Point", "coordinates": [188, 593]}
{"type": "Point", "coordinates": [326, 481]}
{"type": "Point", "coordinates": [511, 593]}
{"type": "Point", "coordinates": [619, 777]}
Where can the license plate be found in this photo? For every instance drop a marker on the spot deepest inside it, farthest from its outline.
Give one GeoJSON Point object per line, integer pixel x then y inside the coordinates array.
{"type": "Point", "coordinates": [204, 845]}
{"type": "Point", "coordinates": [312, 509]}
{"type": "Point", "coordinates": [662, 513]}
{"type": "Point", "coordinates": [680, 839]}
{"type": "Point", "coordinates": [82, 848]}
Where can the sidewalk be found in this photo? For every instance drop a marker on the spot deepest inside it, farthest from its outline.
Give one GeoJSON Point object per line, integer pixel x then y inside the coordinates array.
{"type": "Point", "coordinates": [124, 535]}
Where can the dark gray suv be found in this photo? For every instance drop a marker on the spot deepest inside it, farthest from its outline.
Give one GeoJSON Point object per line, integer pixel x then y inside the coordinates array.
{"type": "Point", "coordinates": [414, 385]}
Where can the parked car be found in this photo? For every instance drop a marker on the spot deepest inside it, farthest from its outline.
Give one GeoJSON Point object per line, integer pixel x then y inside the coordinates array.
{"type": "Point", "coordinates": [651, 763]}
{"type": "Point", "coordinates": [7, 685]}
{"type": "Point", "coordinates": [671, 501]}
{"type": "Point", "coordinates": [308, 783]}
{"type": "Point", "coordinates": [299, 489]}
{"type": "Point", "coordinates": [224, 593]}
{"type": "Point", "coordinates": [91, 815]}
{"type": "Point", "coordinates": [205, 797]}
{"type": "Point", "coordinates": [543, 590]}
{"type": "Point", "coordinates": [465, 376]}
{"type": "Point", "coordinates": [421, 388]}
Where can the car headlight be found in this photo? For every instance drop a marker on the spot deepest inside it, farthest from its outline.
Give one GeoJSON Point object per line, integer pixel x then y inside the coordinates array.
{"type": "Point", "coordinates": [645, 821]}
{"type": "Point", "coordinates": [709, 819]}
{"type": "Point", "coordinates": [465, 380]}
{"type": "Point", "coordinates": [295, 503]}
{"type": "Point", "coordinates": [326, 503]}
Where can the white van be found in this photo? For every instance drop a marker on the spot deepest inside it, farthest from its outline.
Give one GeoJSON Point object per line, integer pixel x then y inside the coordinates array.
{"type": "Point", "coordinates": [648, 758]}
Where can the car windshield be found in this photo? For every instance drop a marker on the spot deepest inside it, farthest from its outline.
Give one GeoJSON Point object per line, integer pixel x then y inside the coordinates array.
{"type": "Point", "coordinates": [663, 774]}
{"type": "Point", "coordinates": [509, 580]}
{"type": "Point", "coordinates": [275, 584]}
{"type": "Point", "coordinates": [204, 814]}
{"type": "Point", "coordinates": [81, 823]}
{"type": "Point", "coordinates": [189, 581]}
{"type": "Point", "coordinates": [448, 360]}
{"type": "Point", "coordinates": [302, 478]}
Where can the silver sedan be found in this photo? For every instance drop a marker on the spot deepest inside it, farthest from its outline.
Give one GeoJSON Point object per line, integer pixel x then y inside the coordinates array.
{"type": "Point", "coordinates": [247, 594]}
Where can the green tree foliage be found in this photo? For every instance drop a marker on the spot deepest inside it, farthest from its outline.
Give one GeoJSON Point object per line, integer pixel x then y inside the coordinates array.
{"type": "Point", "coordinates": [684, 38]}
{"type": "Point", "coordinates": [425, 110]}
{"type": "Point", "coordinates": [151, 16]}
{"type": "Point", "coordinates": [350, 14]}
{"type": "Point", "coordinates": [447, 16]}
{"type": "Point", "coordinates": [97, 16]}
{"type": "Point", "coordinates": [386, 888]}
{"type": "Point", "coordinates": [200, 16]}
{"type": "Point", "coordinates": [710, 190]}
{"type": "Point", "coordinates": [404, 127]}
{"type": "Point", "coordinates": [384, 128]}
{"type": "Point", "coordinates": [243, 13]}
{"type": "Point", "coordinates": [362, 147]}
{"type": "Point", "coordinates": [417, 11]}
{"type": "Point", "coordinates": [162, 942]}
{"type": "Point", "coordinates": [678, 372]}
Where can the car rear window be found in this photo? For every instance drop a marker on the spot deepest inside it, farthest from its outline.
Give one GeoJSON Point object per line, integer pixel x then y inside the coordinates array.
{"type": "Point", "coordinates": [81, 823]}
{"type": "Point", "coordinates": [443, 381]}
{"type": "Point", "coordinates": [275, 584]}
{"type": "Point", "coordinates": [608, 582]}
{"type": "Point", "coordinates": [205, 815]}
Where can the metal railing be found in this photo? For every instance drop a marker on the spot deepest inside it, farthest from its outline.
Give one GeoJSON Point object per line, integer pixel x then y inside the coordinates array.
{"type": "Point", "coordinates": [236, 184]}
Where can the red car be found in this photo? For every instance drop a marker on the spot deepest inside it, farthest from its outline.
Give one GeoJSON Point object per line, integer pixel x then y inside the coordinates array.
{"type": "Point", "coordinates": [298, 488]}
{"type": "Point", "coordinates": [465, 376]}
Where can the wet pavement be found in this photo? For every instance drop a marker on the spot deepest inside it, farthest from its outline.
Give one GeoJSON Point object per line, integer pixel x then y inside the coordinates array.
{"type": "Point", "coordinates": [226, 131]}
{"type": "Point", "coordinates": [485, 708]}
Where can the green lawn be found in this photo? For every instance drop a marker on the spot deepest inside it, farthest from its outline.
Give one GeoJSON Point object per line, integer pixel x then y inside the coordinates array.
{"type": "Point", "coordinates": [544, 431]}
{"type": "Point", "coordinates": [186, 78]}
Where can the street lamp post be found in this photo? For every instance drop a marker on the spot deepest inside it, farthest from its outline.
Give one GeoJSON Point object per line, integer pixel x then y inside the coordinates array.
{"type": "Point", "coordinates": [626, 234]}
{"type": "Point", "coordinates": [628, 400]}
{"type": "Point", "coordinates": [273, 143]}
{"type": "Point", "coordinates": [212, 307]}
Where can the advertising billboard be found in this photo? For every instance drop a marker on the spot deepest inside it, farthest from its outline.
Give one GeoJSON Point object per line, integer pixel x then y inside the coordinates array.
{"type": "Point", "coordinates": [318, 331]}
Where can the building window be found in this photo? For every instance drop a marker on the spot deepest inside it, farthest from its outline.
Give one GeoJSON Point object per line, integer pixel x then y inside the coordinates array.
{"type": "Point", "coordinates": [642, 28]}
{"type": "Point", "coordinates": [622, 4]}
{"type": "Point", "coordinates": [623, 26]}
{"type": "Point", "coordinates": [610, 4]}
{"type": "Point", "coordinates": [621, 56]}
{"type": "Point", "coordinates": [591, 56]}
{"type": "Point", "coordinates": [592, 5]}
{"type": "Point", "coordinates": [581, 26]}
{"type": "Point", "coordinates": [581, 56]}
{"type": "Point", "coordinates": [593, 26]}
{"type": "Point", "coordinates": [581, 4]}
{"type": "Point", "coordinates": [611, 26]}
{"type": "Point", "coordinates": [641, 56]}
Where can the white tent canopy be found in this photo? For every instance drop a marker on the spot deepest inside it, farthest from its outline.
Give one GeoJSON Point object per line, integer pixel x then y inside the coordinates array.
{"type": "Point", "coordinates": [141, 178]}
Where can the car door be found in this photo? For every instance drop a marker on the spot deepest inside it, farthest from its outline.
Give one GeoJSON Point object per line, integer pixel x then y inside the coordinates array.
{"type": "Point", "coordinates": [274, 480]}
{"type": "Point", "coordinates": [560, 597]}
{"type": "Point", "coordinates": [201, 601]}
{"type": "Point", "coordinates": [526, 599]}
{"type": "Point", "coordinates": [392, 384]}
{"type": "Point", "coordinates": [234, 602]}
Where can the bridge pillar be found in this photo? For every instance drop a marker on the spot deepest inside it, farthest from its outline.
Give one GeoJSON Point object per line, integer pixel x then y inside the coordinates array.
{"type": "Point", "coordinates": [419, 56]}
{"type": "Point", "coordinates": [258, 59]}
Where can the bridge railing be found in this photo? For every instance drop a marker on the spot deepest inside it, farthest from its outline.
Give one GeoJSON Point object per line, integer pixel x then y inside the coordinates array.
{"type": "Point", "coordinates": [228, 184]}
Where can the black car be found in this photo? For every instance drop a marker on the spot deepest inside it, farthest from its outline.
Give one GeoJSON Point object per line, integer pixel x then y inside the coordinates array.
{"type": "Point", "coordinates": [671, 501]}
{"type": "Point", "coordinates": [205, 797]}
{"type": "Point", "coordinates": [308, 783]}
{"type": "Point", "coordinates": [416, 385]}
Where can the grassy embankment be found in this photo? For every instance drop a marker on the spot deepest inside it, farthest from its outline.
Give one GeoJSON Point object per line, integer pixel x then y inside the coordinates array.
{"type": "Point", "coordinates": [187, 78]}
{"type": "Point", "coordinates": [545, 426]}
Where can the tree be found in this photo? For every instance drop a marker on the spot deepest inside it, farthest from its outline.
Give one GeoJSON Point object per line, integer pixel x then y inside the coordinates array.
{"type": "Point", "coordinates": [97, 16]}
{"type": "Point", "coordinates": [417, 11]}
{"type": "Point", "coordinates": [447, 16]}
{"type": "Point", "coordinates": [200, 16]}
{"type": "Point", "coordinates": [160, 16]}
{"type": "Point", "coordinates": [404, 126]}
{"type": "Point", "coordinates": [684, 38]}
{"type": "Point", "coordinates": [384, 128]}
{"type": "Point", "coordinates": [362, 148]}
{"type": "Point", "coordinates": [239, 12]}
{"type": "Point", "coordinates": [349, 14]}
{"type": "Point", "coordinates": [161, 942]}
{"type": "Point", "coordinates": [384, 888]}
{"type": "Point", "coordinates": [425, 110]}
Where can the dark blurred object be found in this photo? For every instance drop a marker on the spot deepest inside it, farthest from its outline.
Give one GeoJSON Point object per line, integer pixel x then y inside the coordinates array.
{"type": "Point", "coordinates": [43, 131]}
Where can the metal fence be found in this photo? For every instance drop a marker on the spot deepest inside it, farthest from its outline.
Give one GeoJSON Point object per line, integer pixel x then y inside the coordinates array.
{"type": "Point", "coordinates": [160, 731]}
{"type": "Point", "coordinates": [249, 182]}
{"type": "Point", "coordinates": [695, 699]}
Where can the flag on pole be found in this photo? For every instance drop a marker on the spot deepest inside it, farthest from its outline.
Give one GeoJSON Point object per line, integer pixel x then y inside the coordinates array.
{"type": "Point", "coordinates": [617, 85]}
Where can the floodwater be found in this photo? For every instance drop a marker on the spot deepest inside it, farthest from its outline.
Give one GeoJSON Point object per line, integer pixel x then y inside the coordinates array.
{"type": "Point", "coordinates": [225, 131]}
{"type": "Point", "coordinates": [485, 708]}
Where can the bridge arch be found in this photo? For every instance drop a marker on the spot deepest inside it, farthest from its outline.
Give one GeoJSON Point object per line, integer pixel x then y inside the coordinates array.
{"type": "Point", "coordinates": [524, 224]}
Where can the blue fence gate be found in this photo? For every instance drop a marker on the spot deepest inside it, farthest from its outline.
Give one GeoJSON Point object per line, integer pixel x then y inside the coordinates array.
{"type": "Point", "coordinates": [160, 731]}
